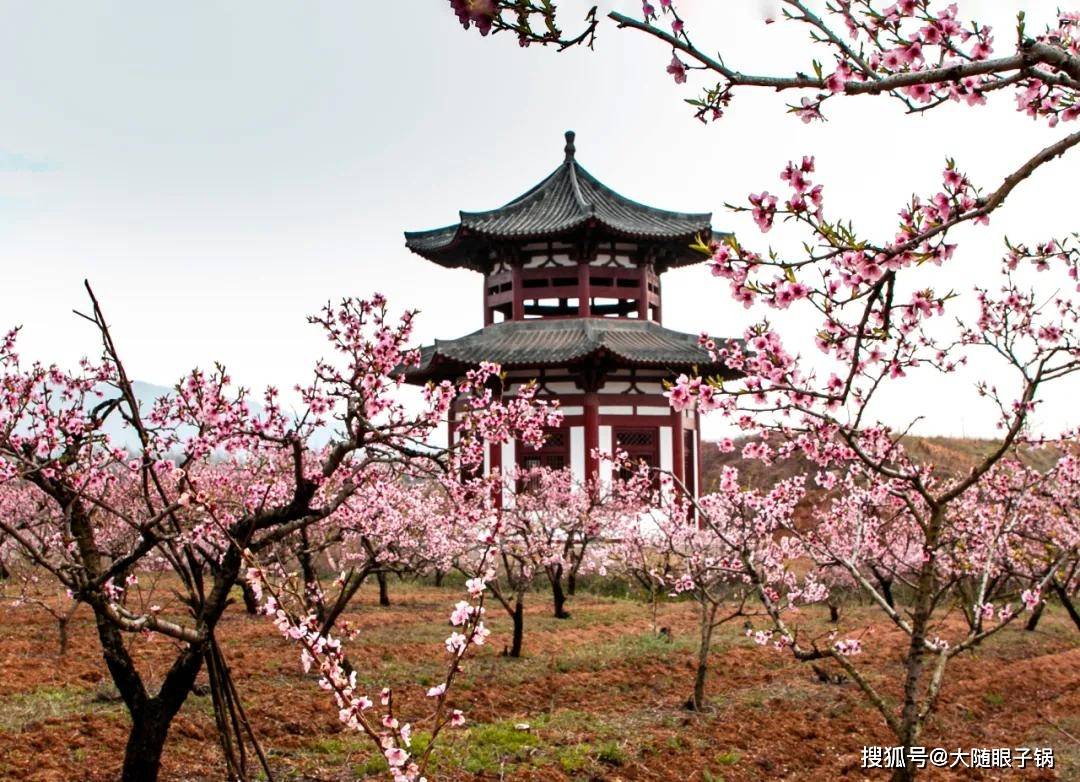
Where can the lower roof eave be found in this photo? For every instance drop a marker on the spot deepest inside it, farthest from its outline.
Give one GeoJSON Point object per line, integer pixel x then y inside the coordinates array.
{"type": "Point", "coordinates": [445, 368]}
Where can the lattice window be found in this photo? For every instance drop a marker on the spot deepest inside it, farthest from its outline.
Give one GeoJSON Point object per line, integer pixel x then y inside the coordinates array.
{"type": "Point", "coordinates": [554, 454]}
{"type": "Point", "coordinates": [642, 445]}
{"type": "Point", "coordinates": [553, 461]}
{"type": "Point", "coordinates": [637, 438]}
{"type": "Point", "coordinates": [556, 441]}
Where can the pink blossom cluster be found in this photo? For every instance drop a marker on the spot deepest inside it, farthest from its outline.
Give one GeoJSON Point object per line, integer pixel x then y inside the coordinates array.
{"type": "Point", "coordinates": [919, 52]}
{"type": "Point", "coordinates": [390, 735]}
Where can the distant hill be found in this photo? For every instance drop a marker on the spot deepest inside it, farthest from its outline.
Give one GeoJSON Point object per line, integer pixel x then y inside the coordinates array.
{"type": "Point", "coordinates": [148, 393]}
{"type": "Point", "coordinates": [953, 455]}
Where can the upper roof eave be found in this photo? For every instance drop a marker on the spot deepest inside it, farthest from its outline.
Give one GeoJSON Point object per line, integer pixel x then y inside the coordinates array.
{"type": "Point", "coordinates": [567, 199]}
{"type": "Point", "coordinates": [416, 241]}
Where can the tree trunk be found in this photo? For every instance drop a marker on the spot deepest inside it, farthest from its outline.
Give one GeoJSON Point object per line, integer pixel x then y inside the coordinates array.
{"type": "Point", "coordinates": [62, 631]}
{"type": "Point", "coordinates": [312, 589]}
{"type": "Point", "coordinates": [384, 594]}
{"type": "Point", "coordinates": [519, 626]}
{"type": "Point", "coordinates": [571, 582]}
{"type": "Point", "coordinates": [353, 581]}
{"type": "Point", "coordinates": [653, 604]}
{"type": "Point", "coordinates": [708, 615]}
{"type": "Point", "coordinates": [915, 659]}
{"type": "Point", "coordinates": [142, 756]}
{"type": "Point", "coordinates": [1066, 601]}
{"type": "Point", "coordinates": [1033, 620]}
{"type": "Point", "coordinates": [557, 594]}
{"type": "Point", "coordinates": [251, 605]}
{"type": "Point", "coordinates": [4, 572]}
{"type": "Point", "coordinates": [886, 587]}
{"type": "Point", "coordinates": [150, 717]}
{"type": "Point", "coordinates": [834, 613]}
{"type": "Point", "coordinates": [439, 576]}
{"type": "Point", "coordinates": [560, 600]}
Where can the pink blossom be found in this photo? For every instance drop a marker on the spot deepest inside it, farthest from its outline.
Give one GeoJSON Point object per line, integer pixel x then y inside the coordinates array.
{"type": "Point", "coordinates": [677, 69]}
{"type": "Point", "coordinates": [848, 647]}
{"type": "Point", "coordinates": [922, 93]}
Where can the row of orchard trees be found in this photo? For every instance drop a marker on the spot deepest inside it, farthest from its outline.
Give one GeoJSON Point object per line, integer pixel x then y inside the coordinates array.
{"type": "Point", "coordinates": [736, 552]}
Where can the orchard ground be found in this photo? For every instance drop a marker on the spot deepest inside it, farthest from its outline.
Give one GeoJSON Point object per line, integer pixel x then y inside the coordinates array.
{"type": "Point", "coordinates": [600, 694]}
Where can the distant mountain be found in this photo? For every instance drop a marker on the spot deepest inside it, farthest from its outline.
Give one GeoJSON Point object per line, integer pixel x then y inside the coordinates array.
{"type": "Point", "coordinates": [148, 393]}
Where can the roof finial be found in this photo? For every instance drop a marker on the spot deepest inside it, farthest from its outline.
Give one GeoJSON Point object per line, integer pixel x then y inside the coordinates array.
{"type": "Point", "coordinates": [570, 149]}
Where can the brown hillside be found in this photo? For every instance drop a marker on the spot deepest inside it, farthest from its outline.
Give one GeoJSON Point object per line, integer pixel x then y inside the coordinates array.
{"type": "Point", "coordinates": [951, 455]}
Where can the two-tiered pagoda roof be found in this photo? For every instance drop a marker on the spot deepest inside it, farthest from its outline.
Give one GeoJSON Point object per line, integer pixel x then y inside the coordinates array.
{"type": "Point", "coordinates": [574, 269]}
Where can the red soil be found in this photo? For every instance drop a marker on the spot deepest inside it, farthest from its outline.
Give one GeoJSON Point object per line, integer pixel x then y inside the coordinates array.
{"type": "Point", "coordinates": [770, 718]}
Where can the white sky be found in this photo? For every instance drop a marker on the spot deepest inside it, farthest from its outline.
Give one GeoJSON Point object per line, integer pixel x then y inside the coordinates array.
{"type": "Point", "coordinates": [220, 169]}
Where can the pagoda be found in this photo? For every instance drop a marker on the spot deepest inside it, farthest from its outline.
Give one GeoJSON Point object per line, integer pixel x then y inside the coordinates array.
{"type": "Point", "coordinates": [572, 300]}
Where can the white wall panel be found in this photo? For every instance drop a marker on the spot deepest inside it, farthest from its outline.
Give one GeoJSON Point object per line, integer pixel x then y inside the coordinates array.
{"type": "Point", "coordinates": [692, 480]}
{"type": "Point", "coordinates": [508, 463]}
{"type": "Point", "coordinates": [653, 410]}
{"type": "Point", "coordinates": [605, 444]}
{"type": "Point", "coordinates": [577, 453]}
{"type": "Point", "coordinates": [666, 459]}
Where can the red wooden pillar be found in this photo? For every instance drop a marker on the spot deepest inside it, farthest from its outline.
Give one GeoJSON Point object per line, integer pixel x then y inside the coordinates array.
{"type": "Point", "coordinates": [697, 452]}
{"type": "Point", "coordinates": [678, 454]}
{"type": "Point", "coordinates": [584, 295]}
{"type": "Point", "coordinates": [592, 434]}
{"type": "Point", "coordinates": [450, 426]}
{"type": "Point", "coordinates": [518, 291]}
{"type": "Point", "coordinates": [643, 294]}
{"type": "Point", "coordinates": [659, 300]}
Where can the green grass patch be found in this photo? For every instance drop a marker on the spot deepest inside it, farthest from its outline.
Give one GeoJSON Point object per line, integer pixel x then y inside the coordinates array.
{"type": "Point", "coordinates": [339, 746]}
{"type": "Point", "coordinates": [574, 758]}
{"type": "Point", "coordinates": [729, 758]}
{"type": "Point", "coordinates": [611, 753]}
{"type": "Point", "coordinates": [489, 747]}
{"type": "Point", "coordinates": [25, 708]}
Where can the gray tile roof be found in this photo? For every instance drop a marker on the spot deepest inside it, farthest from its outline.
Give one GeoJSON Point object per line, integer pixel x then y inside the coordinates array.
{"type": "Point", "coordinates": [569, 198]}
{"type": "Point", "coordinates": [550, 342]}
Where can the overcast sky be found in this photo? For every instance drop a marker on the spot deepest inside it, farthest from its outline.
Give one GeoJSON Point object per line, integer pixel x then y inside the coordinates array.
{"type": "Point", "coordinates": [220, 169]}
